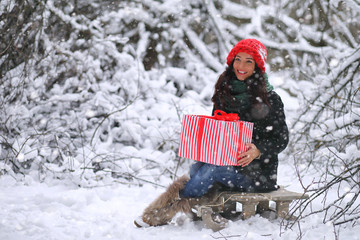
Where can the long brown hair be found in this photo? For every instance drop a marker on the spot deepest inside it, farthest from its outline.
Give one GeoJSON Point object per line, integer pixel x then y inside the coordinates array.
{"type": "Point", "coordinates": [256, 87]}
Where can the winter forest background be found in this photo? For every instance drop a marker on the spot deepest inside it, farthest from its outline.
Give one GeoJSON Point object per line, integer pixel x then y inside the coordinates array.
{"type": "Point", "coordinates": [93, 92]}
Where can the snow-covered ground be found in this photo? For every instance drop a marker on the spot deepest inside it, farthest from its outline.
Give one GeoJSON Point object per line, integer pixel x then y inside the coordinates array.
{"type": "Point", "coordinates": [61, 210]}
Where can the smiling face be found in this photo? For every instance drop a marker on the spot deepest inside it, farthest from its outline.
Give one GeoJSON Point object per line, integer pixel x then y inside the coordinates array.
{"type": "Point", "coordinates": [244, 66]}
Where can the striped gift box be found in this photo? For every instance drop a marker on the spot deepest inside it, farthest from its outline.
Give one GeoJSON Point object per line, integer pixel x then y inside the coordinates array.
{"type": "Point", "coordinates": [216, 140]}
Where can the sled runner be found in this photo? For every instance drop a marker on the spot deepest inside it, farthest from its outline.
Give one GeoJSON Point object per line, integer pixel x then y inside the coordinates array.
{"type": "Point", "coordinates": [224, 204]}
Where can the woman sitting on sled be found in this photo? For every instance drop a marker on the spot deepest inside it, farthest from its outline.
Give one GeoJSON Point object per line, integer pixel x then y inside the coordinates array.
{"type": "Point", "coordinates": [243, 88]}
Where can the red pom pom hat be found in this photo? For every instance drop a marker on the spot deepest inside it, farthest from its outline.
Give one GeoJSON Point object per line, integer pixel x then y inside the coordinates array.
{"type": "Point", "coordinates": [250, 46]}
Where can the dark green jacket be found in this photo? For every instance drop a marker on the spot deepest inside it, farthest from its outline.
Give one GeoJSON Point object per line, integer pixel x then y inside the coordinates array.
{"type": "Point", "coordinates": [270, 136]}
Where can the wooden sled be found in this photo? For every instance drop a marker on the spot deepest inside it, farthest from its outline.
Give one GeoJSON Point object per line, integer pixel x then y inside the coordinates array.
{"type": "Point", "coordinates": [224, 203]}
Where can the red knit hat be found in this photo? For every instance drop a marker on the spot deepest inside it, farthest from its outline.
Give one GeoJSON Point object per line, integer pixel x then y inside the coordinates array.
{"type": "Point", "coordinates": [250, 46]}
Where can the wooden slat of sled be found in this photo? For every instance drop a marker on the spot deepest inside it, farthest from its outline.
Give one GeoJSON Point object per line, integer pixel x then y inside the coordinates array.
{"type": "Point", "coordinates": [250, 201]}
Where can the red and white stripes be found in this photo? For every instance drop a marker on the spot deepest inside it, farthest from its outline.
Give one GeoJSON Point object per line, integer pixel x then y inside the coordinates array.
{"type": "Point", "coordinates": [213, 141]}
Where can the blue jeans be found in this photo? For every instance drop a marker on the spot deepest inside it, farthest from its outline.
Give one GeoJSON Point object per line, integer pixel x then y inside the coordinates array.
{"type": "Point", "coordinates": [203, 176]}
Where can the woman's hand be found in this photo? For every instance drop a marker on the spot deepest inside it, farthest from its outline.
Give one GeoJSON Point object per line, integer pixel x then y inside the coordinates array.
{"type": "Point", "coordinates": [247, 157]}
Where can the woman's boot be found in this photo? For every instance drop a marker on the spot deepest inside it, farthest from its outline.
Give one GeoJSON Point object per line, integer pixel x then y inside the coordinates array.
{"type": "Point", "coordinates": [165, 207]}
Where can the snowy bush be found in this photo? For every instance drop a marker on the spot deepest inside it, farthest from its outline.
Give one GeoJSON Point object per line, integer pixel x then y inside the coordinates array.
{"type": "Point", "coordinates": [101, 90]}
{"type": "Point", "coordinates": [327, 128]}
